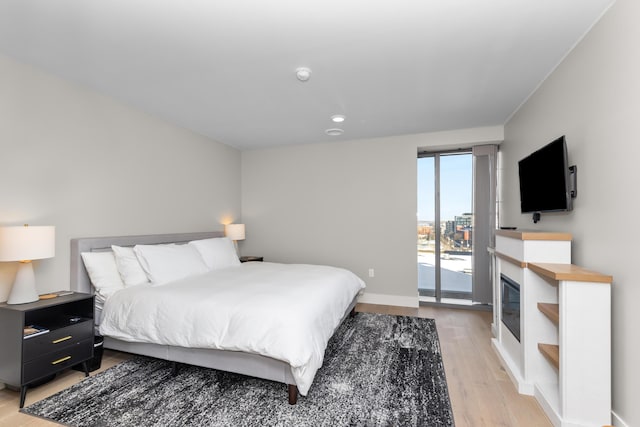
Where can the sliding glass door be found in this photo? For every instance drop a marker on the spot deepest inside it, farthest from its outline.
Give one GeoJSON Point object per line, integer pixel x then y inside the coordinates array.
{"type": "Point", "coordinates": [445, 225]}
{"type": "Point", "coordinates": [456, 223]}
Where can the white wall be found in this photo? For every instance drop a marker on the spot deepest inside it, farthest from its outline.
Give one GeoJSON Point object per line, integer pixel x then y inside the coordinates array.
{"type": "Point", "coordinates": [351, 204]}
{"type": "Point", "coordinates": [593, 98]}
{"type": "Point", "coordinates": [93, 167]}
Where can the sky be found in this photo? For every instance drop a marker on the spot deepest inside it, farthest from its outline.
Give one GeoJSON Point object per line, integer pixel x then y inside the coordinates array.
{"type": "Point", "coordinates": [456, 186]}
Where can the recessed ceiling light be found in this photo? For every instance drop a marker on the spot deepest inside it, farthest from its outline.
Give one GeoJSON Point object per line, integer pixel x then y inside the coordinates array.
{"type": "Point", "coordinates": [334, 132]}
{"type": "Point", "coordinates": [337, 118]}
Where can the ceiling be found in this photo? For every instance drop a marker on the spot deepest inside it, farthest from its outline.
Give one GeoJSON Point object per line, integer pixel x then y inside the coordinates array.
{"type": "Point", "coordinates": [226, 68]}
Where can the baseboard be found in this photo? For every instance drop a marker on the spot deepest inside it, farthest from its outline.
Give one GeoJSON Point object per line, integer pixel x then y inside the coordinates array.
{"type": "Point", "coordinates": [617, 421]}
{"type": "Point", "coordinates": [384, 299]}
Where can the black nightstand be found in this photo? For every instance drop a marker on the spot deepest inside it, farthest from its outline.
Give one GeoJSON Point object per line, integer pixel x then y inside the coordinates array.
{"type": "Point", "coordinates": [25, 361]}
{"type": "Point", "coordinates": [251, 258]}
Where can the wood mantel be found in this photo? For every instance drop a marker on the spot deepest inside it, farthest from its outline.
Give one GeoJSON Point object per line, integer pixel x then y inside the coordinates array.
{"type": "Point", "coordinates": [534, 235]}
{"type": "Point", "coordinates": [512, 260]}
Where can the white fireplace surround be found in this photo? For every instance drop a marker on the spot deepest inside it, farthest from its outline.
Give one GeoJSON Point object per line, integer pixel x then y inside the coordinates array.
{"type": "Point", "coordinates": [564, 354]}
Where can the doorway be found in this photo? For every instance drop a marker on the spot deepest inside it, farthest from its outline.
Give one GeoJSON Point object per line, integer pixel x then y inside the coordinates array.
{"type": "Point", "coordinates": [457, 217]}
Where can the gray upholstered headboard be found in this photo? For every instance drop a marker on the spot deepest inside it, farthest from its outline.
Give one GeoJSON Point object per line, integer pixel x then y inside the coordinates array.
{"type": "Point", "coordinates": [80, 279]}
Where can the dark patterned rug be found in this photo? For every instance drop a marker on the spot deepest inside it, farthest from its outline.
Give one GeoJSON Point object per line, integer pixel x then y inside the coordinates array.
{"type": "Point", "coordinates": [378, 370]}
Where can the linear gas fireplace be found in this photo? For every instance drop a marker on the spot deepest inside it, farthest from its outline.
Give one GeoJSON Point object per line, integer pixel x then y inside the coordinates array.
{"type": "Point", "coordinates": [510, 305]}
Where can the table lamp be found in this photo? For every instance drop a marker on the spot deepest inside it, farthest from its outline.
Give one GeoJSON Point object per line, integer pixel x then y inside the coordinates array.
{"type": "Point", "coordinates": [235, 232]}
{"type": "Point", "coordinates": [24, 244]}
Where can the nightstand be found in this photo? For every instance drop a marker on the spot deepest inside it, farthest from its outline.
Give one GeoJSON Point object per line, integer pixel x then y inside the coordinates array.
{"type": "Point", "coordinates": [69, 341]}
{"type": "Point", "coordinates": [251, 258]}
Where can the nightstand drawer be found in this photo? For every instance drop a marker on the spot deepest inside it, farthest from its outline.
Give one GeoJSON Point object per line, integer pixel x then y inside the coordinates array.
{"type": "Point", "coordinates": [57, 360]}
{"type": "Point", "coordinates": [57, 339]}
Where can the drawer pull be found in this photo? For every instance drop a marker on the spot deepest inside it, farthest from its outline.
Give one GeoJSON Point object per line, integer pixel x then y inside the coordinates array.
{"type": "Point", "coordinates": [64, 359]}
{"type": "Point", "coordinates": [59, 340]}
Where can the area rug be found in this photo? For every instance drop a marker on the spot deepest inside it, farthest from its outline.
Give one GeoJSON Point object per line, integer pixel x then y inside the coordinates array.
{"type": "Point", "coordinates": [378, 370]}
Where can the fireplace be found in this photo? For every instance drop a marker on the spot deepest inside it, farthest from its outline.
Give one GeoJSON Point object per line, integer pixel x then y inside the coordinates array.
{"type": "Point", "coordinates": [511, 305]}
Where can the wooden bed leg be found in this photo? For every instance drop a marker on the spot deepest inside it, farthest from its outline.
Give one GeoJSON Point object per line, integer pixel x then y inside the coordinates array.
{"type": "Point", "coordinates": [293, 394]}
{"type": "Point", "coordinates": [174, 369]}
{"type": "Point", "coordinates": [352, 312]}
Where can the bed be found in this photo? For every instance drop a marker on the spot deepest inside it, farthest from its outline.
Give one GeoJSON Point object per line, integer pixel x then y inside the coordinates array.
{"type": "Point", "coordinates": [233, 357]}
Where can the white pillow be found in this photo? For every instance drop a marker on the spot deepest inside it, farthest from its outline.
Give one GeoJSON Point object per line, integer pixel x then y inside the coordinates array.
{"type": "Point", "coordinates": [218, 252]}
{"type": "Point", "coordinates": [166, 263]}
{"type": "Point", "coordinates": [103, 273]}
{"type": "Point", "coordinates": [129, 267]}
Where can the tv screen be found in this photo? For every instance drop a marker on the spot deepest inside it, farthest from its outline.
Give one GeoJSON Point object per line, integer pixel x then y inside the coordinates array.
{"type": "Point", "coordinates": [544, 179]}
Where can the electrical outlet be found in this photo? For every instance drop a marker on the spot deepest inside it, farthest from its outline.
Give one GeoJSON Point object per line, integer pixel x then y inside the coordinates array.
{"type": "Point", "coordinates": [371, 272]}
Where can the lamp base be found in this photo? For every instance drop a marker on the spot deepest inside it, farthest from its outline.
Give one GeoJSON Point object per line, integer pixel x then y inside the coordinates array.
{"type": "Point", "coordinates": [24, 287]}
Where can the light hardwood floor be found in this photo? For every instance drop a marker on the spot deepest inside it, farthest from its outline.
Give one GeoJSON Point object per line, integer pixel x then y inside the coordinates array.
{"type": "Point", "coordinates": [481, 392]}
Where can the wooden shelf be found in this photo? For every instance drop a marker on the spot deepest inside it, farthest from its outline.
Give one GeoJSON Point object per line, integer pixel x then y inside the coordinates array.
{"type": "Point", "coordinates": [552, 311]}
{"type": "Point", "coordinates": [551, 352]}
{"type": "Point", "coordinates": [568, 272]}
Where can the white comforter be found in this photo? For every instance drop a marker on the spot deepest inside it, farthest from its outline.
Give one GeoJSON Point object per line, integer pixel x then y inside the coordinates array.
{"type": "Point", "coordinates": [284, 311]}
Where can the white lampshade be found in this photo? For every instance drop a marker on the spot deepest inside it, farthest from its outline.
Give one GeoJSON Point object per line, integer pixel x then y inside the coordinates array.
{"type": "Point", "coordinates": [235, 231]}
{"type": "Point", "coordinates": [24, 244]}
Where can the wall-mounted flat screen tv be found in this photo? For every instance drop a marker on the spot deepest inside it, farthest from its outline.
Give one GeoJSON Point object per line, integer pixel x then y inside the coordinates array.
{"type": "Point", "coordinates": [545, 179]}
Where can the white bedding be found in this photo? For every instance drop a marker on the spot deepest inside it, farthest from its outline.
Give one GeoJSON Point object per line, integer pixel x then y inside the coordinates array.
{"type": "Point", "coordinates": [284, 311]}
